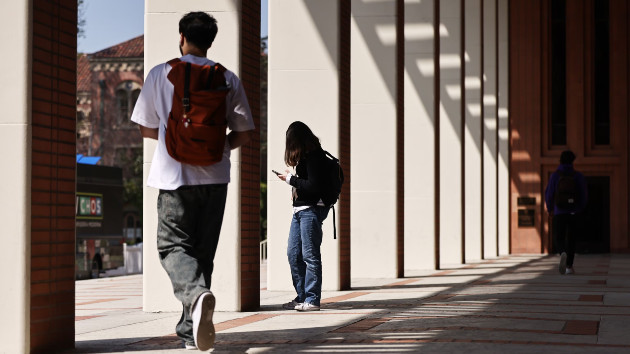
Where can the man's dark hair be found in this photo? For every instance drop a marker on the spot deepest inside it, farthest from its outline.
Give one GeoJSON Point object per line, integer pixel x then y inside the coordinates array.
{"type": "Point", "coordinates": [567, 157]}
{"type": "Point", "coordinates": [199, 28]}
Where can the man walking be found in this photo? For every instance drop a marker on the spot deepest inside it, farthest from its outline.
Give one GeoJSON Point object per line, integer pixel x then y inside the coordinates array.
{"type": "Point", "coordinates": [565, 196]}
{"type": "Point", "coordinates": [193, 188]}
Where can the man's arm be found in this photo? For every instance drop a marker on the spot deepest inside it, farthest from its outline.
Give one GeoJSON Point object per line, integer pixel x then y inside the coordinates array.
{"type": "Point", "coordinates": [549, 193]}
{"type": "Point", "coordinates": [236, 139]}
{"type": "Point", "coordinates": [151, 133]}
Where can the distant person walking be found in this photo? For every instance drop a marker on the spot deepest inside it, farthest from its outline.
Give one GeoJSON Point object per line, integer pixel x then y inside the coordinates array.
{"type": "Point", "coordinates": [187, 104]}
{"type": "Point", "coordinates": [565, 196]}
{"type": "Point", "coordinates": [304, 153]}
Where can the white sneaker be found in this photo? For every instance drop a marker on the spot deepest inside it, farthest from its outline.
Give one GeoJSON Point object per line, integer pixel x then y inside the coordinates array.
{"type": "Point", "coordinates": [291, 305]}
{"type": "Point", "coordinates": [307, 306]}
{"type": "Point", "coordinates": [189, 346]}
{"type": "Point", "coordinates": [562, 267]}
{"type": "Point", "coordinates": [569, 270]}
{"type": "Point", "coordinates": [203, 328]}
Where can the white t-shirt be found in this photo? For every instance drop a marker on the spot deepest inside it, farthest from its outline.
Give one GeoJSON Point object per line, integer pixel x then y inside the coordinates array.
{"type": "Point", "coordinates": [152, 110]}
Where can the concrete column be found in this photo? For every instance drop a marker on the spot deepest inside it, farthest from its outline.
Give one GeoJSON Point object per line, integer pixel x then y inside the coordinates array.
{"type": "Point", "coordinates": [503, 206]}
{"type": "Point", "coordinates": [473, 137]}
{"type": "Point", "coordinates": [419, 136]}
{"type": "Point", "coordinates": [161, 44]}
{"type": "Point", "coordinates": [15, 137]}
{"type": "Point", "coordinates": [490, 129]}
{"type": "Point", "coordinates": [373, 142]}
{"type": "Point", "coordinates": [303, 85]}
{"type": "Point", "coordinates": [451, 135]}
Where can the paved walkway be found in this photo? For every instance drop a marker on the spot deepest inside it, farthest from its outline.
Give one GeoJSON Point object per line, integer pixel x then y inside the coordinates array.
{"type": "Point", "coordinates": [516, 304]}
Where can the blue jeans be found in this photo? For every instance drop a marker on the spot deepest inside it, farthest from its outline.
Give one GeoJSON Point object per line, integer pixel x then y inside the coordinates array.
{"type": "Point", "coordinates": [303, 251]}
{"type": "Point", "coordinates": [189, 223]}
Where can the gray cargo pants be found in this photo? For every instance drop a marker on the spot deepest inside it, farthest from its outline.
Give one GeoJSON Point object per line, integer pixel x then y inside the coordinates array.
{"type": "Point", "coordinates": [189, 223]}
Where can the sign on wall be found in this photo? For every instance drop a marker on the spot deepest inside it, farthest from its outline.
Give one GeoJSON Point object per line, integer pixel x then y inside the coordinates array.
{"type": "Point", "coordinates": [89, 206]}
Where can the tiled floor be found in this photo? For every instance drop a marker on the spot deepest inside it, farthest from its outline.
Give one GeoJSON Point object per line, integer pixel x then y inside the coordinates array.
{"type": "Point", "coordinates": [516, 304]}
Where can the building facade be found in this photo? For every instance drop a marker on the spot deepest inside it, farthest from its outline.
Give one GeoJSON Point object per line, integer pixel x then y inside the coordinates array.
{"type": "Point", "coordinates": [569, 89]}
{"type": "Point", "coordinates": [108, 84]}
{"type": "Point", "coordinates": [447, 116]}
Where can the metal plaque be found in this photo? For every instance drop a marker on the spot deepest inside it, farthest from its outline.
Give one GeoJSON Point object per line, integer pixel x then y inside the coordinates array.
{"type": "Point", "coordinates": [526, 218]}
{"type": "Point", "coordinates": [522, 201]}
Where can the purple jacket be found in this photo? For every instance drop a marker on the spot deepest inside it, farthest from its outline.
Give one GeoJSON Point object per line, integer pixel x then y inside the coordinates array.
{"type": "Point", "coordinates": [550, 191]}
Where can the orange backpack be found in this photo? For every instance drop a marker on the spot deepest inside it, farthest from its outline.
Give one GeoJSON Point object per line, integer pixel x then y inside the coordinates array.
{"type": "Point", "coordinates": [197, 123]}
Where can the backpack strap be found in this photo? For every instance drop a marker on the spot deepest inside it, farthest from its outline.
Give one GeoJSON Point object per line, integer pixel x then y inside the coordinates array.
{"type": "Point", "coordinates": [186, 98]}
{"type": "Point", "coordinates": [334, 223]}
{"type": "Point", "coordinates": [172, 62]}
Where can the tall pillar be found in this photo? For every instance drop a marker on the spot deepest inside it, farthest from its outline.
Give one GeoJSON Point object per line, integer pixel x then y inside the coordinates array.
{"type": "Point", "coordinates": [52, 176]}
{"type": "Point", "coordinates": [451, 135]}
{"type": "Point", "coordinates": [473, 131]}
{"type": "Point", "coordinates": [304, 85]}
{"type": "Point", "coordinates": [490, 129]}
{"type": "Point", "coordinates": [15, 136]}
{"type": "Point", "coordinates": [161, 38]}
{"type": "Point", "coordinates": [503, 207]}
{"type": "Point", "coordinates": [420, 128]}
{"type": "Point", "coordinates": [373, 142]}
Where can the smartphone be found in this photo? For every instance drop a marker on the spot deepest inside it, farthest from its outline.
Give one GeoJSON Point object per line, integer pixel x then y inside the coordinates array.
{"type": "Point", "coordinates": [276, 172]}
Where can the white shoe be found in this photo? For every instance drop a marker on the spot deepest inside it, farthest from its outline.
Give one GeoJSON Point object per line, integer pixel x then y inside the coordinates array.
{"type": "Point", "coordinates": [562, 267]}
{"type": "Point", "coordinates": [291, 305]}
{"type": "Point", "coordinates": [203, 328]}
{"type": "Point", "coordinates": [307, 306]}
{"type": "Point", "coordinates": [190, 346]}
{"type": "Point", "coordinates": [569, 270]}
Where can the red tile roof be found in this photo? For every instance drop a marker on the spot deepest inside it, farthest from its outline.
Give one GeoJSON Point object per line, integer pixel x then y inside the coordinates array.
{"type": "Point", "coordinates": [132, 48]}
{"type": "Point", "coordinates": [84, 75]}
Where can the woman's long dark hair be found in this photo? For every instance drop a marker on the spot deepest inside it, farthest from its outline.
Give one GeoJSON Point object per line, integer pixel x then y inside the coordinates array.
{"type": "Point", "coordinates": [300, 140]}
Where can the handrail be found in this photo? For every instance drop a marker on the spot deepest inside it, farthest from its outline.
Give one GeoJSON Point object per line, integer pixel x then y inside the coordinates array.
{"type": "Point", "coordinates": [263, 250]}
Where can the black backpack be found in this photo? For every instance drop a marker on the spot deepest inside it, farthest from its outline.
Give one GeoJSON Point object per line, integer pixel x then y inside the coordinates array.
{"type": "Point", "coordinates": [566, 195]}
{"type": "Point", "coordinates": [330, 194]}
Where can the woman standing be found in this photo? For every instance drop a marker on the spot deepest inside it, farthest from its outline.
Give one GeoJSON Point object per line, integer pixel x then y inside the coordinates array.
{"type": "Point", "coordinates": [304, 153]}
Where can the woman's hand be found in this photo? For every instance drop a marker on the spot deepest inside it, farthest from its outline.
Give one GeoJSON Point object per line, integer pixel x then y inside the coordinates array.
{"type": "Point", "coordinates": [284, 176]}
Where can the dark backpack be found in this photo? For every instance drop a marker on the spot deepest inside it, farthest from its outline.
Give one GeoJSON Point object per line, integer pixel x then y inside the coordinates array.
{"type": "Point", "coordinates": [197, 123]}
{"type": "Point", "coordinates": [332, 190]}
{"type": "Point", "coordinates": [566, 195]}
{"type": "Point", "coordinates": [334, 181]}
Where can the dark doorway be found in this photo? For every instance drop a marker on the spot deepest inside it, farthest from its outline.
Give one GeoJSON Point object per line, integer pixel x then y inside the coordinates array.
{"type": "Point", "coordinates": [595, 223]}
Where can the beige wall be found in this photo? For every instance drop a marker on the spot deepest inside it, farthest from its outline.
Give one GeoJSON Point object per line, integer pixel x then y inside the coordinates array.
{"type": "Point", "coordinates": [490, 131]}
{"type": "Point", "coordinates": [451, 137]}
{"type": "Point", "coordinates": [503, 207]}
{"type": "Point", "coordinates": [304, 86]}
{"type": "Point", "coordinates": [15, 137]}
{"type": "Point", "coordinates": [472, 134]}
{"type": "Point", "coordinates": [373, 139]}
{"type": "Point", "coordinates": [161, 44]}
{"type": "Point", "coordinates": [419, 136]}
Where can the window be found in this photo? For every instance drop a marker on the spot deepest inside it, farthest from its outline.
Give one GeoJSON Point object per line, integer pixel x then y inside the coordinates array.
{"type": "Point", "coordinates": [126, 96]}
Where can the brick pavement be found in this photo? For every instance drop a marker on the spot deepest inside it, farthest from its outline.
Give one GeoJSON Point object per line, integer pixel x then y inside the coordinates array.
{"type": "Point", "coordinates": [516, 304]}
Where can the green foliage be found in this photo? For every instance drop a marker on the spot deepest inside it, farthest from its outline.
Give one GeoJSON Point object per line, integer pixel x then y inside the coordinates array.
{"type": "Point", "coordinates": [132, 192]}
{"type": "Point", "coordinates": [131, 162]}
{"type": "Point", "coordinates": [264, 60]}
{"type": "Point", "coordinates": [80, 18]}
{"type": "Point", "coordinates": [263, 137]}
{"type": "Point", "coordinates": [263, 211]}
